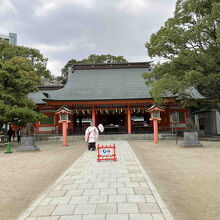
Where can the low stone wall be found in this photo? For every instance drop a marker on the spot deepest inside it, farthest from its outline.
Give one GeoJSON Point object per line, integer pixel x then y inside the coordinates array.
{"type": "Point", "coordinates": [162, 136]}
{"type": "Point", "coordinates": [43, 137]}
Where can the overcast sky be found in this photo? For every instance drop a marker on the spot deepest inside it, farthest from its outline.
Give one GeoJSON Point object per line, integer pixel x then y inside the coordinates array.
{"type": "Point", "coordinates": [66, 29]}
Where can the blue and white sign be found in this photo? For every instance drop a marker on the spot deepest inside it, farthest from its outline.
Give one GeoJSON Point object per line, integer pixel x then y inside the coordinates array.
{"type": "Point", "coordinates": [107, 151]}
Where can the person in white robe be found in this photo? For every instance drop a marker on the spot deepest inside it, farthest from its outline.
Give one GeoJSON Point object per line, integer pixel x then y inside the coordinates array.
{"type": "Point", "coordinates": [91, 136]}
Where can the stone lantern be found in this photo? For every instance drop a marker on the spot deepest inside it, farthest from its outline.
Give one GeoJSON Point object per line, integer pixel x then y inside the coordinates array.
{"type": "Point", "coordinates": [64, 113]}
{"type": "Point", "coordinates": [155, 111]}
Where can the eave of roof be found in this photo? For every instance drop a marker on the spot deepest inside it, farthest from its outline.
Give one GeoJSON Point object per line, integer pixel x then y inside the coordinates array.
{"type": "Point", "coordinates": [104, 83]}
{"type": "Point", "coordinates": [127, 65]}
{"type": "Point", "coordinates": [100, 100]}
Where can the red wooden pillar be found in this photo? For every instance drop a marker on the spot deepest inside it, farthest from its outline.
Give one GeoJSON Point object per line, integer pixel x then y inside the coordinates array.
{"type": "Point", "coordinates": [155, 131]}
{"type": "Point", "coordinates": [129, 120]}
{"type": "Point", "coordinates": [65, 126]}
{"type": "Point", "coordinates": [93, 116]}
{"type": "Point", "coordinates": [125, 119]}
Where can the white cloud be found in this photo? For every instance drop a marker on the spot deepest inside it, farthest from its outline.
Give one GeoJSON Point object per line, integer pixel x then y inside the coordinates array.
{"type": "Point", "coordinates": [133, 6]}
{"type": "Point", "coordinates": [44, 8]}
{"type": "Point", "coordinates": [74, 29]}
{"type": "Point", "coordinates": [6, 7]}
{"type": "Point", "coordinates": [50, 49]}
{"type": "Point", "coordinates": [55, 67]}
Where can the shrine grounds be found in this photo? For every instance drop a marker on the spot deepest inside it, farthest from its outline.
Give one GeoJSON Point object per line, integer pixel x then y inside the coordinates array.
{"type": "Point", "coordinates": [186, 178]}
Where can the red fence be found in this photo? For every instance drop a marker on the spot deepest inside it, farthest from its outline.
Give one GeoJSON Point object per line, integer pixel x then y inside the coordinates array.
{"type": "Point", "coordinates": [106, 153]}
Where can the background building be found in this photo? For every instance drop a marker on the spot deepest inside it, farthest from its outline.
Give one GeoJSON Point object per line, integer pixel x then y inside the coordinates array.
{"type": "Point", "coordinates": [208, 121]}
{"type": "Point", "coordinates": [114, 95]}
{"type": "Point", "coordinates": [11, 38]}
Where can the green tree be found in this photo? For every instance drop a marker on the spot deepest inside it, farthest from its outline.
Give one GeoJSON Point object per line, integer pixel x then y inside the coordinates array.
{"type": "Point", "coordinates": [190, 44]}
{"type": "Point", "coordinates": [18, 78]}
{"type": "Point", "coordinates": [38, 61]}
{"type": "Point", "coordinates": [93, 58]}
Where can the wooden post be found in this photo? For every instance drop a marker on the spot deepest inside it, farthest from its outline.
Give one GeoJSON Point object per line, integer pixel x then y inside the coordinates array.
{"type": "Point", "coordinates": [65, 124]}
{"type": "Point", "coordinates": [114, 153]}
{"type": "Point", "coordinates": [155, 131]}
{"type": "Point", "coordinates": [98, 157]}
{"type": "Point", "coordinates": [93, 116]}
{"type": "Point", "coordinates": [129, 120]}
{"type": "Point", "coordinates": [176, 133]}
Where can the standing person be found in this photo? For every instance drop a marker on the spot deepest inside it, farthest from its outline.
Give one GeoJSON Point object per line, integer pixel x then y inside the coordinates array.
{"type": "Point", "coordinates": [91, 136]}
{"type": "Point", "coordinates": [10, 133]}
{"type": "Point", "coordinates": [19, 134]}
{"type": "Point", "coordinates": [13, 135]}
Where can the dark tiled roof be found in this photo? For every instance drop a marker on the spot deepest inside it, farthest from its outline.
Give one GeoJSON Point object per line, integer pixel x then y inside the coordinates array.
{"type": "Point", "coordinates": [103, 84]}
{"type": "Point", "coordinates": [37, 97]}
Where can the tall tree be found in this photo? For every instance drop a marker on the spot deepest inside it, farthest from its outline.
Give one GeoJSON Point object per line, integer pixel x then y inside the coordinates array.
{"type": "Point", "coordinates": [190, 44]}
{"type": "Point", "coordinates": [38, 61]}
{"type": "Point", "coordinates": [17, 78]}
{"type": "Point", "coordinates": [93, 58]}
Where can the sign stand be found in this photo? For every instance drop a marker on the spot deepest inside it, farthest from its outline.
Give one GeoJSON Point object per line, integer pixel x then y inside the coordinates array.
{"type": "Point", "coordinates": [106, 153]}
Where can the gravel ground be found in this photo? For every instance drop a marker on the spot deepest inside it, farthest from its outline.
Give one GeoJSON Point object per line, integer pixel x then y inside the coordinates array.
{"type": "Point", "coordinates": [25, 175]}
{"type": "Point", "coordinates": [188, 179]}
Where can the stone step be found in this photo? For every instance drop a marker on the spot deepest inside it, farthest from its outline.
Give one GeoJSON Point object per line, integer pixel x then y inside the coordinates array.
{"type": "Point", "coordinates": [162, 136]}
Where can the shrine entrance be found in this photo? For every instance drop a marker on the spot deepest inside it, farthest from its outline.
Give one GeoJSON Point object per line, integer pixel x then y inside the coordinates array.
{"type": "Point", "coordinates": [140, 122]}
{"type": "Point", "coordinates": [113, 121]}
{"type": "Point", "coordinates": [81, 121]}
{"type": "Point", "coordinates": [117, 118]}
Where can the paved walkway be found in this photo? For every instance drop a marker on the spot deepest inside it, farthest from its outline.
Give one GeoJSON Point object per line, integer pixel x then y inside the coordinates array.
{"type": "Point", "coordinates": [101, 191]}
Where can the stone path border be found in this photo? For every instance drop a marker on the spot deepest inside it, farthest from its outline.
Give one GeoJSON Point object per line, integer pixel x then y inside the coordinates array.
{"type": "Point", "coordinates": [107, 190]}
{"type": "Point", "coordinates": [154, 191]}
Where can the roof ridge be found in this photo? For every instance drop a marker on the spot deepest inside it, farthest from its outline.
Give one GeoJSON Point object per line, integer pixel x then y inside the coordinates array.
{"type": "Point", "coordinates": [128, 65]}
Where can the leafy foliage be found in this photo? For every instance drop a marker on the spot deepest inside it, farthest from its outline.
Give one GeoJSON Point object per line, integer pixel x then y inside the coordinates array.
{"type": "Point", "coordinates": [39, 62]}
{"type": "Point", "coordinates": [190, 44]}
{"type": "Point", "coordinates": [17, 78]}
{"type": "Point", "coordinates": [92, 59]}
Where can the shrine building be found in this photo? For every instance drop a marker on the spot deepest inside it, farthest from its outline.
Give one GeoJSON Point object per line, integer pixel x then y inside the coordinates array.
{"type": "Point", "coordinates": [114, 95]}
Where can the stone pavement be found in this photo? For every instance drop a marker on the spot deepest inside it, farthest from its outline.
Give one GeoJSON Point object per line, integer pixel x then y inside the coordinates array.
{"type": "Point", "coordinates": [107, 190]}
